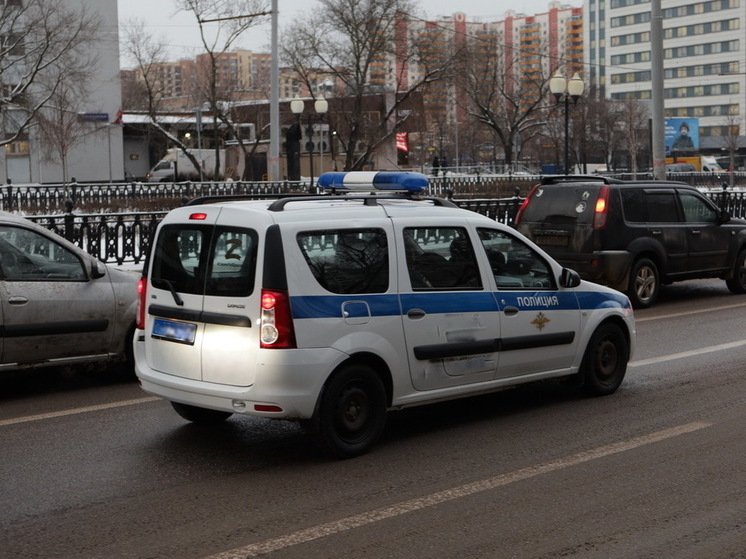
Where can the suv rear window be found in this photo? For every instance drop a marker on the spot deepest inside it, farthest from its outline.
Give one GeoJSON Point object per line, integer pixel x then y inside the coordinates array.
{"type": "Point", "coordinates": [205, 260]}
{"type": "Point", "coordinates": [560, 202]}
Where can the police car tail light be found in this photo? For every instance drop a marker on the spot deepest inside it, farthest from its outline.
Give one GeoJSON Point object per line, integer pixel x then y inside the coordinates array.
{"type": "Point", "coordinates": [524, 204]}
{"type": "Point", "coordinates": [601, 211]}
{"type": "Point", "coordinates": [276, 323]}
{"type": "Point", "coordinates": [142, 290]}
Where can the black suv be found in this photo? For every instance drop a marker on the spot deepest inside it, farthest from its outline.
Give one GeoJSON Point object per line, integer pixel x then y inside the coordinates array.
{"type": "Point", "coordinates": [634, 235]}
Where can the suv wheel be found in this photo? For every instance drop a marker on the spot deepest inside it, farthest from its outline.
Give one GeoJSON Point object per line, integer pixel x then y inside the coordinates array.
{"type": "Point", "coordinates": [644, 283]}
{"type": "Point", "coordinates": [737, 284]}
{"type": "Point", "coordinates": [352, 412]}
{"type": "Point", "coordinates": [605, 361]}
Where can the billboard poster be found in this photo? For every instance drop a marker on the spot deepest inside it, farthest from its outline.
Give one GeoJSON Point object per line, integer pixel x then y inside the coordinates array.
{"type": "Point", "coordinates": [681, 135]}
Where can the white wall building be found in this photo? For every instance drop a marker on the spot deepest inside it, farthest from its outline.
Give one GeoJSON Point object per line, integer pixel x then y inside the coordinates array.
{"type": "Point", "coordinates": [97, 152]}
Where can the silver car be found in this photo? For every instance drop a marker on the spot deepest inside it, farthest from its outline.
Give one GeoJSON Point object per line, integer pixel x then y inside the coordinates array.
{"type": "Point", "coordinates": [60, 306]}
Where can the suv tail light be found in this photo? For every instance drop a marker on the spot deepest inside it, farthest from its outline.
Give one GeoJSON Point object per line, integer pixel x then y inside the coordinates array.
{"type": "Point", "coordinates": [276, 326]}
{"type": "Point", "coordinates": [142, 288]}
{"type": "Point", "coordinates": [601, 211]}
{"type": "Point", "coordinates": [519, 214]}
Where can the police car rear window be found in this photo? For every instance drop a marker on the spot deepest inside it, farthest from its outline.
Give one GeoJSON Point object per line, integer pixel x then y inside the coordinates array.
{"type": "Point", "coordinates": [205, 260]}
{"type": "Point", "coordinates": [347, 260]}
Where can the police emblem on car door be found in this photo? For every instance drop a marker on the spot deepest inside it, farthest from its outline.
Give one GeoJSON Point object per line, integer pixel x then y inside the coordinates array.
{"type": "Point", "coordinates": [539, 321]}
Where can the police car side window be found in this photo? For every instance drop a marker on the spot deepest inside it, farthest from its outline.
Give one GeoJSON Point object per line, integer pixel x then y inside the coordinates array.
{"type": "Point", "coordinates": [347, 260]}
{"type": "Point", "coordinates": [440, 258]}
{"type": "Point", "coordinates": [514, 264]}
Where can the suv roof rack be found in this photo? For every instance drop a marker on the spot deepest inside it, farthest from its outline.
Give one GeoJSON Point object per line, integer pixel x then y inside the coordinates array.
{"type": "Point", "coordinates": [557, 179]}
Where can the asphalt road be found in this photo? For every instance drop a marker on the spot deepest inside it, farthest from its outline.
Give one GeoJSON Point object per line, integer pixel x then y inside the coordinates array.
{"type": "Point", "coordinates": [91, 467]}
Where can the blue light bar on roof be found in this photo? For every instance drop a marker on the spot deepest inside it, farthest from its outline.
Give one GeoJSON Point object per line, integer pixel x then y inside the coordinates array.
{"type": "Point", "coordinates": [396, 181]}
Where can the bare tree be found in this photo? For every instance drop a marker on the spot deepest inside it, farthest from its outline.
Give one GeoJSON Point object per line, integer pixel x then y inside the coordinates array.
{"type": "Point", "coordinates": [500, 97]}
{"type": "Point", "coordinates": [346, 44]}
{"type": "Point", "coordinates": [148, 53]}
{"type": "Point", "coordinates": [228, 20]}
{"type": "Point", "coordinates": [732, 142]}
{"type": "Point", "coordinates": [43, 51]}
{"type": "Point", "coordinates": [634, 123]}
{"type": "Point", "coordinates": [60, 124]}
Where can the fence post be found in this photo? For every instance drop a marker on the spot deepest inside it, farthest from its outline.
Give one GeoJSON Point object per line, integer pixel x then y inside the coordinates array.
{"type": "Point", "coordinates": [10, 196]}
{"type": "Point", "coordinates": [69, 220]}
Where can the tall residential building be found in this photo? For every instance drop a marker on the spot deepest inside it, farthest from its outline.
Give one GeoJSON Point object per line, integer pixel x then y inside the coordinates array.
{"type": "Point", "coordinates": [242, 75]}
{"type": "Point", "coordinates": [703, 57]}
{"type": "Point", "coordinates": [529, 47]}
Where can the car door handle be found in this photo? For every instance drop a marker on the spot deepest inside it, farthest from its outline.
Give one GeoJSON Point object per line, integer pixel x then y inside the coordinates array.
{"type": "Point", "coordinates": [696, 232]}
{"type": "Point", "coordinates": [510, 311]}
{"type": "Point", "coordinates": [18, 300]}
{"type": "Point", "coordinates": [415, 314]}
{"type": "Point", "coordinates": [656, 232]}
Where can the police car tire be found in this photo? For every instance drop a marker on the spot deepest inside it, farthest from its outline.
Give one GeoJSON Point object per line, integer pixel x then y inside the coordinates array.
{"type": "Point", "coordinates": [200, 415]}
{"type": "Point", "coordinates": [644, 283]}
{"type": "Point", "coordinates": [352, 412]}
{"type": "Point", "coordinates": [605, 361]}
{"type": "Point", "coordinates": [737, 284]}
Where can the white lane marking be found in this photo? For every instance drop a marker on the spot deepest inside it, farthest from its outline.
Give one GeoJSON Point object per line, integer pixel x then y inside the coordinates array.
{"type": "Point", "coordinates": [684, 354]}
{"type": "Point", "coordinates": [398, 509]}
{"type": "Point", "coordinates": [75, 411]}
{"type": "Point", "coordinates": [699, 311]}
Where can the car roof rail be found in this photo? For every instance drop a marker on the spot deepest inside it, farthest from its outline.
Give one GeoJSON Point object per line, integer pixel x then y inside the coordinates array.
{"type": "Point", "coordinates": [368, 200]}
{"type": "Point", "coordinates": [215, 198]}
{"type": "Point", "coordinates": [559, 179]}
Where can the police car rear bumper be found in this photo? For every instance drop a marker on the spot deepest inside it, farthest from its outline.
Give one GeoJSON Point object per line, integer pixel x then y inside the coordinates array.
{"type": "Point", "coordinates": [287, 385]}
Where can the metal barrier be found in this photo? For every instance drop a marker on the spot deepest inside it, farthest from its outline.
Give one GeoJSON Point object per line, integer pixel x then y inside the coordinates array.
{"type": "Point", "coordinates": [34, 198]}
{"type": "Point", "coordinates": [112, 238]}
{"type": "Point", "coordinates": [126, 237]}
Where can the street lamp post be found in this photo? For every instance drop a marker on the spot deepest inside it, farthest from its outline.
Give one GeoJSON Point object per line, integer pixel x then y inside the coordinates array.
{"type": "Point", "coordinates": [320, 106]}
{"type": "Point", "coordinates": [566, 88]}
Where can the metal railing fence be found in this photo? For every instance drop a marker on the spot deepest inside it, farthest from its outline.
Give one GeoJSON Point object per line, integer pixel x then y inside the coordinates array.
{"type": "Point", "coordinates": [125, 236]}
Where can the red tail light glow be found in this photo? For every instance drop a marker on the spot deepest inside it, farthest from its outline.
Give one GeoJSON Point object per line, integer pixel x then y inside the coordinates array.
{"type": "Point", "coordinates": [142, 291]}
{"type": "Point", "coordinates": [198, 216]}
{"type": "Point", "coordinates": [276, 325]}
{"type": "Point", "coordinates": [524, 204]}
{"type": "Point", "coordinates": [602, 208]}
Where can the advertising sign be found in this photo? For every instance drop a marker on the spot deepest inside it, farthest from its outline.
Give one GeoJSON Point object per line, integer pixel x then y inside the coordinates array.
{"type": "Point", "coordinates": [681, 135]}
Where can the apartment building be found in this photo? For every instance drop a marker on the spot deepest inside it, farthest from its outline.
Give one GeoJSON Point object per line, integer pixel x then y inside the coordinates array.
{"type": "Point", "coordinates": [528, 47]}
{"type": "Point", "coordinates": [242, 75]}
{"type": "Point", "coordinates": [703, 54]}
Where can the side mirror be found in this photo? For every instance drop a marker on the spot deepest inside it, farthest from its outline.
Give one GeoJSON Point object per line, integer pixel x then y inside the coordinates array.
{"type": "Point", "coordinates": [98, 269]}
{"type": "Point", "coordinates": [724, 216]}
{"type": "Point", "coordinates": [569, 278]}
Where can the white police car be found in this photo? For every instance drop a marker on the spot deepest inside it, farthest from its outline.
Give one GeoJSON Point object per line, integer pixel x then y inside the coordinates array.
{"type": "Point", "coordinates": [334, 309]}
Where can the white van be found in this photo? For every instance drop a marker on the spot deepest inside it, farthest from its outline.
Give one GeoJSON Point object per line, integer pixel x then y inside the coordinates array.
{"type": "Point", "coordinates": [334, 309]}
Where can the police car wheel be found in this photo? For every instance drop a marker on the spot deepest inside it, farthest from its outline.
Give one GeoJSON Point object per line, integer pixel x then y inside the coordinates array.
{"type": "Point", "coordinates": [605, 361]}
{"type": "Point", "coordinates": [644, 283]}
{"type": "Point", "coordinates": [200, 415]}
{"type": "Point", "coordinates": [737, 284]}
{"type": "Point", "coordinates": [352, 412]}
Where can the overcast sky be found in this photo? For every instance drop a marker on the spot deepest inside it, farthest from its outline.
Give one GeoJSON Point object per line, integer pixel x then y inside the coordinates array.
{"type": "Point", "coordinates": [179, 30]}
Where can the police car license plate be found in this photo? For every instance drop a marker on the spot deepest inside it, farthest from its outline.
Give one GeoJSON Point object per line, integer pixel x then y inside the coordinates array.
{"type": "Point", "coordinates": [173, 331]}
